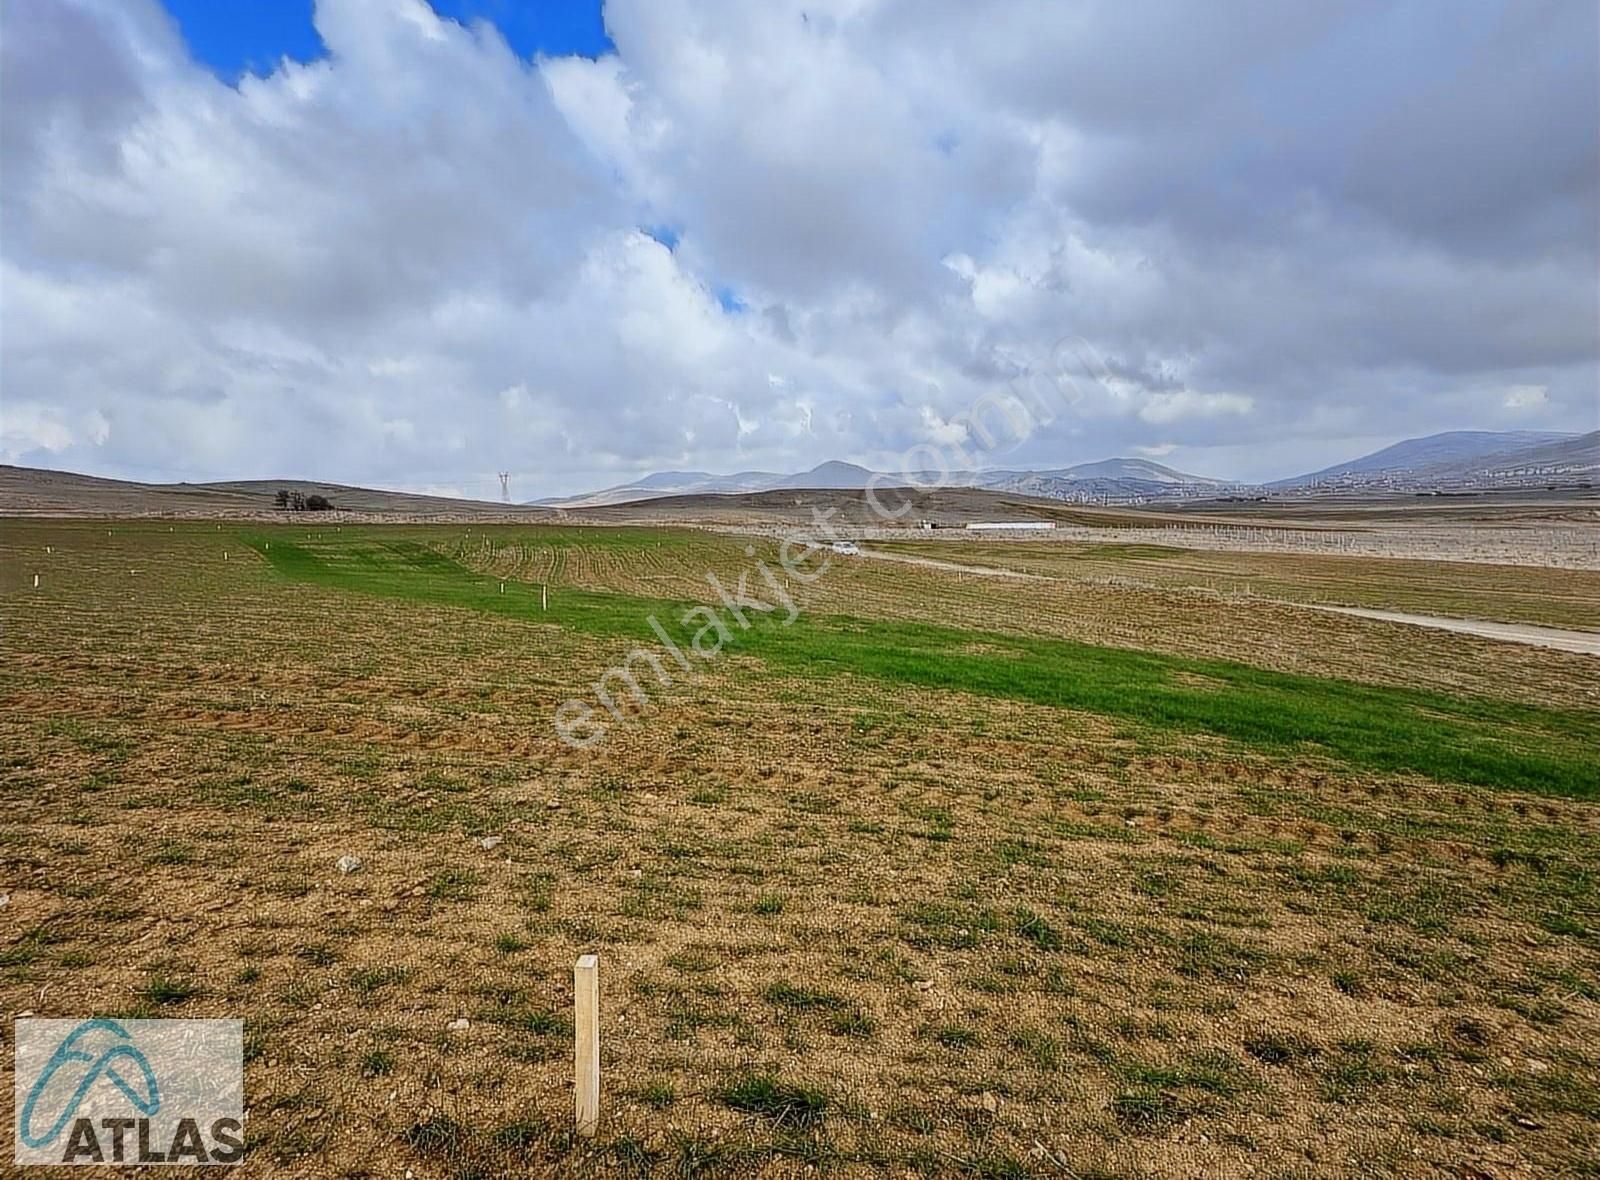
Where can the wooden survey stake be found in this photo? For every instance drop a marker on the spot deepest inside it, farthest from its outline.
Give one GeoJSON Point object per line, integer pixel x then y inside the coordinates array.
{"type": "Point", "coordinates": [586, 1055]}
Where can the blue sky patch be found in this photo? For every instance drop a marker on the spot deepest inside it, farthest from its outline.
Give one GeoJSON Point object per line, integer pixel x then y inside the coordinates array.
{"type": "Point", "coordinates": [664, 234]}
{"type": "Point", "coordinates": [253, 36]}
{"type": "Point", "coordinates": [247, 36]}
{"type": "Point", "coordinates": [555, 28]}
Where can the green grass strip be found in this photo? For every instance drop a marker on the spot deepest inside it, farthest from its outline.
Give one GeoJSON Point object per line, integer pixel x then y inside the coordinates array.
{"type": "Point", "coordinates": [1453, 739]}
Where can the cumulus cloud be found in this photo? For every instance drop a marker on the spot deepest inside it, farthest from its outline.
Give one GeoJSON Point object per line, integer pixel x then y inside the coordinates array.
{"type": "Point", "coordinates": [1526, 397]}
{"type": "Point", "coordinates": [1162, 408]}
{"type": "Point", "coordinates": [766, 235]}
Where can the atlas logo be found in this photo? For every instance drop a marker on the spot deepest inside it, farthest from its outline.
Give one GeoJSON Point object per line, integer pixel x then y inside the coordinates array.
{"type": "Point", "coordinates": [130, 1092]}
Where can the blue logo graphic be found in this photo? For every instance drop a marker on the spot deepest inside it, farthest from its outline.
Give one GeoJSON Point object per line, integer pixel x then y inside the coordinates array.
{"type": "Point", "coordinates": [68, 1056]}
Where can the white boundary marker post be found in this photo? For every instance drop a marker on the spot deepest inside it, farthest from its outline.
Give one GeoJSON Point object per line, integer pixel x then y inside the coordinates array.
{"type": "Point", "coordinates": [586, 1034]}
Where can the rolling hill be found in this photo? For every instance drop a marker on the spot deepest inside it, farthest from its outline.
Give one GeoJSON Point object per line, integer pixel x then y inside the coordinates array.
{"type": "Point", "coordinates": [1578, 455]}
{"type": "Point", "coordinates": [1458, 451]}
{"type": "Point", "coordinates": [37, 492]}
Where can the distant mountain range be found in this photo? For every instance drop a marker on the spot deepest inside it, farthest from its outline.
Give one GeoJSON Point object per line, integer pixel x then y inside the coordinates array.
{"type": "Point", "coordinates": [1117, 478]}
{"type": "Point", "coordinates": [1457, 461]}
{"type": "Point", "coordinates": [1454, 459]}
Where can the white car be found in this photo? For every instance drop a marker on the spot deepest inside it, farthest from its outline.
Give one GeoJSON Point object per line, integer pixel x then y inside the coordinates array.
{"type": "Point", "coordinates": [848, 548]}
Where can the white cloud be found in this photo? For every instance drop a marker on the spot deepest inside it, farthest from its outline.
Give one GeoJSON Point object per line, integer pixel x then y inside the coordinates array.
{"type": "Point", "coordinates": [1526, 397]}
{"type": "Point", "coordinates": [418, 261]}
{"type": "Point", "coordinates": [1174, 407]}
{"type": "Point", "coordinates": [27, 427]}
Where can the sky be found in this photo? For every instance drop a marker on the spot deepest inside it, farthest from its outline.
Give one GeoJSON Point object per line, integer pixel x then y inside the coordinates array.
{"type": "Point", "coordinates": [387, 243]}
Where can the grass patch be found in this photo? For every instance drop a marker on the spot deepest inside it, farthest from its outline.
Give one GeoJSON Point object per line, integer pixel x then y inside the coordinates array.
{"type": "Point", "coordinates": [948, 927]}
{"type": "Point", "coordinates": [770, 1097]}
{"type": "Point", "coordinates": [454, 885]}
{"type": "Point", "coordinates": [1352, 1072]}
{"type": "Point", "coordinates": [173, 852]}
{"type": "Point", "coordinates": [1279, 1048]}
{"type": "Point", "coordinates": [164, 990]}
{"type": "Point", "coordinates": [367, 981]}
{"type": "Point", "coordinates": [1157, 1097]}
{"type": "Point", "coordinates": [318, 954]}
{"type": "Point", "coordinates": [658, 1094]}
{"type": "Point", "coordinates": [1036, 930]}
{"type": "Point", "coordinates": [955, 1036]}
{"type": "Point", "coordinates": [788, 995]}
{"type": "Point", "coordinates": [852, 1022]}
{"type": "Point", "coordinates": [1145, 1109]}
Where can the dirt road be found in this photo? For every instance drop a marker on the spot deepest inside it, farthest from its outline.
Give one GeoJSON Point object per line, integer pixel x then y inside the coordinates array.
{"type": "Point", "coordinates": [1582, 642]}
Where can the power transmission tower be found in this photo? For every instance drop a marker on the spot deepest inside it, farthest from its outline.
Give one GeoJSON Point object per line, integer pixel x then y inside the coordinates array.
{"type": "Point", "coordinates": [505, 487]}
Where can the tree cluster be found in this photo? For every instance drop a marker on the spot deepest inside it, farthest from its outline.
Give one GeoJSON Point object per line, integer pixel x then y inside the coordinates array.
{"type": "Point", "coordinates": [295, 502]}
